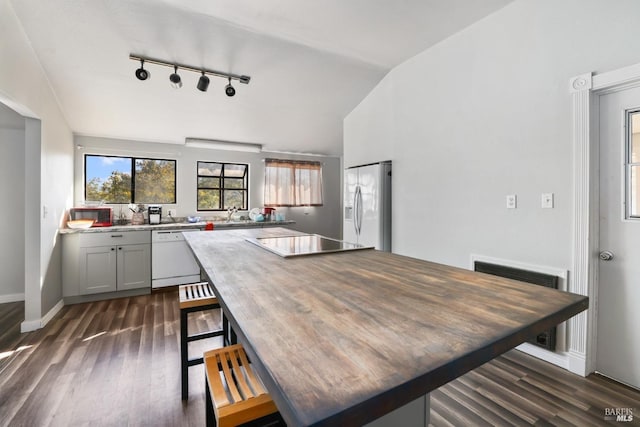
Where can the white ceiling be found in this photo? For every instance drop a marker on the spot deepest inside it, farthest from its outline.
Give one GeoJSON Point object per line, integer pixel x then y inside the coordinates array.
{"type": "Point", "coordinates": [311, 62]}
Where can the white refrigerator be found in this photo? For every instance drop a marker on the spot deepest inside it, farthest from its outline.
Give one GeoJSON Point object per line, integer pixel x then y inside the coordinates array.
{"type": "Point", "coordinates": [367, 205]}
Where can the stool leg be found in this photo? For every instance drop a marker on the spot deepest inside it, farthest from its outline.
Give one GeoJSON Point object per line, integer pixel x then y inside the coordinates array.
{"type": "Point", "coordinates": [234, 337]}
{"type": "Point", "coordinates": [225, 329]}
{"type": "Point", "coordinates": [184, 355]}
{"type": "Point", "coordinates": [210, 418]}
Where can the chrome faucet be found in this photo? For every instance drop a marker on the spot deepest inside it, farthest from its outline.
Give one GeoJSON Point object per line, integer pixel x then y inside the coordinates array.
{"type": "Point", "coordinates": [230, 212]}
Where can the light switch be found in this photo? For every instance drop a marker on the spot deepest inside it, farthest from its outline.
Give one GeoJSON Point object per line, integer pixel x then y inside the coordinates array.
{"type": "Point", "coordinates": [512, 201]}
{"type": "Point", "coordinates": [547, 201]}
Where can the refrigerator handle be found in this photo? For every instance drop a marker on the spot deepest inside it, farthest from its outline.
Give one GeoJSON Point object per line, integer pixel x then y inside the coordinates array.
{"type": "Point", "coordinates": [359, 210]}
{"type": "Point", "coordinates": [355, 210]}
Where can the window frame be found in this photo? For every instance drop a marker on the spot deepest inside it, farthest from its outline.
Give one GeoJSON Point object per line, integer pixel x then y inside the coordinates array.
{"type": "Point", "coordinates": [133, 178]}
{"type": "Point", "coordinates": [222, 188]}
{"type": "Point", "coordinates": [629, 165]}
{"type": "Point", "coordinates": [293, 166]}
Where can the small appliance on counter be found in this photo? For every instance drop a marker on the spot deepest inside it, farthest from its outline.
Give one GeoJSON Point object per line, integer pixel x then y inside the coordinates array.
{"type": "Point", "coordinates": [102, 217]}
{"type": "Point", "coordinates": [155, 214]}
{"type": "Point", "coordinates": [267, 213]}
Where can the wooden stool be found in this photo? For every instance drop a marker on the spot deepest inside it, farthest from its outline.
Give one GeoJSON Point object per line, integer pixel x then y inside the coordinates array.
{"type": "Point", "coordinates": [239, 398]}
{"type": "Point", "coordinates": [194, 297]}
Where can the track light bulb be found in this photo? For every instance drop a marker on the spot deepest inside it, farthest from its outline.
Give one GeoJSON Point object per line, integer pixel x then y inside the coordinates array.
{"type": "Point", "coordinates": [203, 83]}
{"type": "Point", "coordinates": [175, 79]}
{"type": "Point", "coordinates": [141, 73]}
{"type": "Point", "coordinates": [229, 90]}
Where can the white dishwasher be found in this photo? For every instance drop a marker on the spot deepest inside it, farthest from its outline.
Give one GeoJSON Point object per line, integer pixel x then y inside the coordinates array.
{"type": "Point", "coordinates": [172, 262]}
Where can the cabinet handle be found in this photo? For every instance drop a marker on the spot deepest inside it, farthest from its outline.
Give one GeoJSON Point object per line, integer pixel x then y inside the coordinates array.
{"type": "Point", "coordinates": [113, 249]}
{"type": "Point", "coordinates": [120, 248]}
{"type": "Point", "coordinates": [116, 235]}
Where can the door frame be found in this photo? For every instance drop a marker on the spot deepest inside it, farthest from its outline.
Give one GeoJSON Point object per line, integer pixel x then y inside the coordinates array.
{"type": "Point", "coordinates": [586, 90]}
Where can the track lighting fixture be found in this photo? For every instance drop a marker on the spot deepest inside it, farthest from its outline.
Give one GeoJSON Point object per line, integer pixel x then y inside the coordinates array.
{"type": "Point", "coordinates": [203, 83]}
{"type": "Point", "coordinates": [141, 73]}
{"type": "Point", "coordinates": [229, 90]}
{"type": "Point", "coordinates": [176, 81]}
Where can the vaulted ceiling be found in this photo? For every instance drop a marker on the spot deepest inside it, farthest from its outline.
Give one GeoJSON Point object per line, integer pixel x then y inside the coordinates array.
{"type": "Point", "coordinates": [310, 62]}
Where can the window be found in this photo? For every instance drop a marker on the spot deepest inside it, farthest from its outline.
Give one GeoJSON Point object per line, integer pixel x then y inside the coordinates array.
{"type": "Point", "coordinates": [632, 164]}
{"type": "Point", "coordinates": [222, 186]}
{"type": "Point", "coordinates": [117, 179]}
{"type": "Point", "coordinates": [292, 183]}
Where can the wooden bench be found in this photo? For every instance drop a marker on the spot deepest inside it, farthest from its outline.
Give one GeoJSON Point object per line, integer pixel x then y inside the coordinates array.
{"type": "Point", "coordinates": [194, 297]}
{"type": "Point", "coordinates": [234, 394]}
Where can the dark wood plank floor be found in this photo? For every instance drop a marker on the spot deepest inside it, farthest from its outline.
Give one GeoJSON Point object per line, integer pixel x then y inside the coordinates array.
{"type": "Point", "coordinates": [116, 363]}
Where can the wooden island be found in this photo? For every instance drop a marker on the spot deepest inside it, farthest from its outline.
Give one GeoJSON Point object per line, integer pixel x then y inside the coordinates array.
{"type": "Point", "coordinates": [345, 338]}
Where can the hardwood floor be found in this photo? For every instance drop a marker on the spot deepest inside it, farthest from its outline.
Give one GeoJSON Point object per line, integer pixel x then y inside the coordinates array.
{"type": "Point", "coordinates": [116, 363]}
{"type": "Point", "coordinates": [11, 315]}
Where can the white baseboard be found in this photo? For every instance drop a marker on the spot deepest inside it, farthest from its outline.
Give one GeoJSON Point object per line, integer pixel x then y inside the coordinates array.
{"type": "Point", "coordinates": [559, 359]}
{"type": "Point", "coordinates": [578, 364]}
{"type": "Point", "coordinates": [54, 310]}
{"type": "Point", "coordinates": [11, 298]}
{"type": "Point", "coordinates": [571, 361]}
{"type": "Point", "coordinates": [32, 325]}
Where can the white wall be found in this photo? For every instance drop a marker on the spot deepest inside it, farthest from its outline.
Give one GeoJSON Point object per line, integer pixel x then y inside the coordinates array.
{"type": "Point", "coordinates": [48, 158]}
{"type": "Point", "coordinates": [323, 220]}
{"type": "Point", "coordinates": [12, 190]}
{"type": "Point", "coordinates": [484, 114]}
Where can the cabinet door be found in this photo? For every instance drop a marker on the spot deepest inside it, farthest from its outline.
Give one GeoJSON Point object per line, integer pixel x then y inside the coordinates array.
{"type": "Point", "coordinates": [134, 266]}
{"type": "Point", "coordinates": [97, 270]}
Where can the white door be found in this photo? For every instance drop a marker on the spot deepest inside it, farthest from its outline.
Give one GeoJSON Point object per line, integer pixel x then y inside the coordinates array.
{"type": "Point", "coordinates": [618, 346]}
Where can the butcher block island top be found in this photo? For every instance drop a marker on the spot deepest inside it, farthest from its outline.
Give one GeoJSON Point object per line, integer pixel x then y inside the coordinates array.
{"type": "Point", "coordinates": [344, 338]}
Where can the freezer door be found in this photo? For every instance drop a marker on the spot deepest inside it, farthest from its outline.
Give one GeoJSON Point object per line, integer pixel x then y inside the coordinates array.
{"type": "Point", "coordinates": [349, 233]}
{"type": "Point", "coordinates": [370, 189]}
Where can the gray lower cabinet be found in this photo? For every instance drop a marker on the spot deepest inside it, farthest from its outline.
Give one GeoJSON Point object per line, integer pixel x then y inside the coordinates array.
{"type": "Point", "coordinates": [134, 267]}
{"type": "Point", "coordinates": [97, 270]}
{"type": "Point", "coordinates": [103, 262]}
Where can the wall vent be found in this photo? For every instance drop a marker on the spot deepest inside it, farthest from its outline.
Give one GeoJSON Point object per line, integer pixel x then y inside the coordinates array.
{"type": "Point", "coordinates": [547, 339]}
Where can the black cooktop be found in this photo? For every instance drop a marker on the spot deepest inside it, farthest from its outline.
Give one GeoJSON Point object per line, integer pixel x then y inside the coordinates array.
{"type": "Point", "coordinates": [307, 244]}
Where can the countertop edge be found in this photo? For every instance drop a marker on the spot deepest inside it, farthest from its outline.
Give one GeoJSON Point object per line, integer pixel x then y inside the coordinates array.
{"type": "Point", "coordinates": [176, 226]}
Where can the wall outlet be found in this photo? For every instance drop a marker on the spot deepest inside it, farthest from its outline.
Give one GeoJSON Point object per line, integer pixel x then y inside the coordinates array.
{"type": "Point", "coordinates": [512, 201]}
{"type": "Point", "coordinates": [547, 201]}
{"type": "Point", "coordinates": [172, 213]}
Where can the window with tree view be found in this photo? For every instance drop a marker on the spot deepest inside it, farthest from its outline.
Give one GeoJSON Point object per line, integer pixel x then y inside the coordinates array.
{"type": "Point", "coordinates": [222, 186]}
{"type": "Point", "coordinates": [115, 179]}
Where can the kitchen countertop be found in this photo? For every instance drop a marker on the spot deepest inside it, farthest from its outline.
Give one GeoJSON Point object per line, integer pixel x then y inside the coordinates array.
{"type": "Point", "coordinates": [177, 226]}
{"type": "Point", "coordinates": [344, 338]}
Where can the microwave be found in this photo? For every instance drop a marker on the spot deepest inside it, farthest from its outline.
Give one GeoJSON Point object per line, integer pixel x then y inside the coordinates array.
{"type": "Point", "coordinates": [103, 216]}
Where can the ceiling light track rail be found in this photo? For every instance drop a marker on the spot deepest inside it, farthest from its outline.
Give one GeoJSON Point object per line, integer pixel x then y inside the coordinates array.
{"type": "Point", "coordinates": [204, 71]}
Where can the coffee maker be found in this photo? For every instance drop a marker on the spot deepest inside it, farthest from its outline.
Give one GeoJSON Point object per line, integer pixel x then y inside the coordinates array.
{"type": "Point", "coordinates": [155, 214]}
